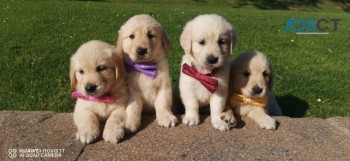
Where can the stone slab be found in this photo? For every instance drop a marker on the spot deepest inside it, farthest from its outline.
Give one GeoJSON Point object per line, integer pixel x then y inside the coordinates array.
{"type": "Point", "coordinates": [295, 139]}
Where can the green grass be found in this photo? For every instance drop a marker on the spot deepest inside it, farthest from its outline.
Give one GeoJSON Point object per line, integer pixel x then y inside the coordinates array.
{"type": "Point", "coordinates": [37, 39]}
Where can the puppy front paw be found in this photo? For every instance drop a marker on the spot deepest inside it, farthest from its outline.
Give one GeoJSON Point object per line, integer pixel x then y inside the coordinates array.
{"type": "Point", "coordinates": [132, 125]}
{"type": "Point", "coordinates": [113, 134]}
{"type": "Point", "coordinates": [87, 134]}
{"type": "Point", "coordinates": [267, 122]}
{"type": "Point", "coordinates": [221, 124]}
{"type": "Point", "coordinates": [229, 118]}
{"type": "Point", "coordinates": [191, 120]}
{"type": "Point", "coordinates": [168, 120]}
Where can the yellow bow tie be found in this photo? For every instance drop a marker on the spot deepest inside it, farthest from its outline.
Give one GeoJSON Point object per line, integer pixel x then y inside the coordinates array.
{"type": "Point", "coordinates": [238, 100]}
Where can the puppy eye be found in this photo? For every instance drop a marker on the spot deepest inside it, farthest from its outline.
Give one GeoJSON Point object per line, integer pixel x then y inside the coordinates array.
{"type": "Point", "coordinates": [246, 74]}
{"type": "Point", "coordinates": [221, 41]}
{"type": "Point", "coordinates": [150, 36]}
{"type": "Point", "coordinates": [81, 71]}
{"type": "Point", "coordinates": [100, 68]}
{"type": "Point", "coordinates": [132, 36]}
{"type": "Point", "coordinates": [265, 74]}
{"type": "Point", "coordinates": [202, 42]}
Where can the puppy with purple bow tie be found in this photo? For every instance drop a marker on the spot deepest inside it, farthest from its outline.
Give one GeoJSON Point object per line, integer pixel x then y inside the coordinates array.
{"type": "Point", "coordinates": [145, 44]}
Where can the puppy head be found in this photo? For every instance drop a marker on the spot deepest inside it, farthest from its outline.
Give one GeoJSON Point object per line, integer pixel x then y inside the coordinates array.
{"type": "Point", "coordinates": [251, 74]}
{"type": "Point", "coordinates": [143, 39]}
{"type": "Point", "coordinates": [208, 40]}
{"type": "Point", "coordinates": [95, 68]}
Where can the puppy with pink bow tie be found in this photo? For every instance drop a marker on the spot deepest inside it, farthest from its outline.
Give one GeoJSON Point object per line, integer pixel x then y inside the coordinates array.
{"type": "Point", "coordinates": [97, 75]}
{"type": "Point", "coordinates": [144, 45]}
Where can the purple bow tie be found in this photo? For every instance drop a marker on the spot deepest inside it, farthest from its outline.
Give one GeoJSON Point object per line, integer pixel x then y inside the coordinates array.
{"type": "Point", "coordinates": [150, 69]}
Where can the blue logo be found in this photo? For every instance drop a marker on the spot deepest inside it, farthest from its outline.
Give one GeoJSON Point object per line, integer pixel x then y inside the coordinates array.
{"type": "Point", "coordinates": [311, 26]}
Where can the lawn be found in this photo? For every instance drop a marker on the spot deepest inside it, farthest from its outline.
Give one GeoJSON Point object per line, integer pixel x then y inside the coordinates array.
{"type": "Point", "coordinates": [37, 38]}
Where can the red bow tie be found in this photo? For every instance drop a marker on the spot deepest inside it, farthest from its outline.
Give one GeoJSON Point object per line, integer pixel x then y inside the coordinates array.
{"type": "Point", "coordinates": [208, 82]}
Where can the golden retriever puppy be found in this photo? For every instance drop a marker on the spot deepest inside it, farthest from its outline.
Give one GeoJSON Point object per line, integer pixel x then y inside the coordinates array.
{"type": "Point", "coordinates": [145, 44]}
{"type": "Point", "coordinates": [207, 41]}
{"type": "Point", "coordinates": [97, 74]}
{"type": "Point", "coordinates": [251, 89]}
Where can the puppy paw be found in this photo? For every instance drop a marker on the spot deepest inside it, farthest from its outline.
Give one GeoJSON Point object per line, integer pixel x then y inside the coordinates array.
{"type": "Point", "coordinates": [113, 134]}
{"type": "Point", "coordinates": [220, 124]}
{"type": "Point", "coordinates": [191, 120]}
{"type": "Point", "coordinates": [229, 118]}
{"type": "Point", "coordinates": [87, 134]}
{"type": "Point", "coordinates": [132, 125]}
{"type": "Point", "coordinates": [267, 122]}
{"type": "Point", "coordinates": [167, 120]}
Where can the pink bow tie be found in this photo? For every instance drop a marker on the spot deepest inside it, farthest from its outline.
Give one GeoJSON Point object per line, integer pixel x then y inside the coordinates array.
{"type": "Point", "coordinates": [208, 82]}
{"type": "Point", "coordinates": [104, 99]}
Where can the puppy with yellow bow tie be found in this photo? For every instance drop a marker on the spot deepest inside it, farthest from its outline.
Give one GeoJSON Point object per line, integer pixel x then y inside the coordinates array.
{"type": "Point", "coordinates": [251, 89]}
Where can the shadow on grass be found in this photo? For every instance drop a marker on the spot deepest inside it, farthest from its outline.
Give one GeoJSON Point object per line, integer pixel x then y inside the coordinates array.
{"type": "Point", "coordinates": [93, 0]}
{"type": "Point", "coordinates": [278, 4]}
{"type": "Point", "coordinates": [344, 4]}
{"type": "Point", "coordinates": [292, 106]}
{"type": "Point", "coordinates": [178, 107]}
{"type": "Point", "coordinates": [289, 4]}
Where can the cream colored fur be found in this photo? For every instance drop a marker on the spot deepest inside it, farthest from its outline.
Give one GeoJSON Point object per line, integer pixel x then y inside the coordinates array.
{"type": "Point", "coordinates": [256, 64]}
{"type": "Point", "coordinates": [88, 114]}
{"type": "Point", "coordinates": [146, 93]}
{"type": "Point", "coordinates": [219, 39]}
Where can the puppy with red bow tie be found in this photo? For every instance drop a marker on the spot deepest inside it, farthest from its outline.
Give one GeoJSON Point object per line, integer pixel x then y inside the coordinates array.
{"type": "Point", "coordinates": [208, 41]}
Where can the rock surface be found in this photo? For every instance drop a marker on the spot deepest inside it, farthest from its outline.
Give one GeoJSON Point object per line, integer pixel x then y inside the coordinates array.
{"type": "Point", "coordinates": [295, 139]}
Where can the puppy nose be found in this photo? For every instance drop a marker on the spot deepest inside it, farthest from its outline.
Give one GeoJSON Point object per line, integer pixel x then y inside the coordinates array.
{"type": "Point", "coordinates": [90, 88]}
{"type": "Point", "coordinates": [257, 90]}
{"type": "Point", "coordinates": [141, 51]}
{"type": "Point", "coordinates": [212, 59]}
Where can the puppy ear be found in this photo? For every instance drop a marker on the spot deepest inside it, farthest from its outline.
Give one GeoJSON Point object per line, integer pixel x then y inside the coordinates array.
{"type": "Point", "coordinates": [270, 84]}
{"type": "Point", "coordinates": [165, 42]}
{"type": "Point", "coordinates": [186, 41]}
{"type": "Point", "coordinates": [120, 42]}
{"type": "Point", "coordinates": [120, 71]}
{"type": "Point", "coordinates": [233, 40]}
{"type": "Point", "coordinates": [73, 79]}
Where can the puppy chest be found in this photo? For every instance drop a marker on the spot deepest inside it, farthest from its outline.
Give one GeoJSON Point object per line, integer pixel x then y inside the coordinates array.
{"type": "Point", "coordinates": [105, 110]}
{"type": "Point", "coordinates": [101, 110]}
{"type": "Point", "coordinates": [202, 94]}
{"type": "Point", "coordinates": [144, 86]}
